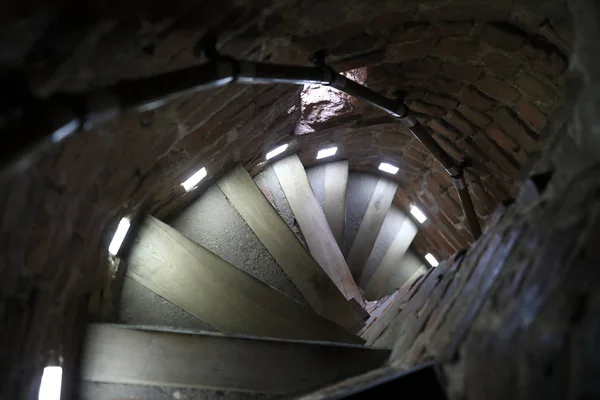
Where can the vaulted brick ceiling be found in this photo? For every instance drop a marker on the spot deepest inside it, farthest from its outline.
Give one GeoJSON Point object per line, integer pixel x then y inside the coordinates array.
{"type": "Point", "coordinates": [483, 76]}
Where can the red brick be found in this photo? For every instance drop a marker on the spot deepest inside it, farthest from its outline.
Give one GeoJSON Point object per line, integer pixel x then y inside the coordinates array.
{"type": "Point", "coordinates": [450, 149]}
{"type": "Point", "coordinates": [467, 145]}
{"type": "Point", "coordinates": [533, 87]}
{"type": "Point", "coordinates": [373, 57]}
{"type": "Point", "coordinates": [475, 99]}
{"type": "Point", "coordinates": [441, 84]}
{"type": "Point", "coordinates": [461, 71]}
{"type": "Point", "coordinates": [358, 44]}
{"type": "Point", "coordinates": [554, 66]}
{"type": "Point", "coordinates": [501, 38]}
{"type": "Point", "coordinates": [408, 33]}
{"type": "Point", "coordinates": [421, 66]}
{"type": "Point", "coordinates": [498, 89]}
{"type": "Point", "coordinates": [427, 109]}
{"type": "Point", "coordinates": [439, 179]}
{"type": "Point", "coordinates": [483, 196]}
{"type": "Point", "coordinates": [383, 23]}
{"type": "Point", "coordinates": [520, 156]}
{"type": "Point", "coordinates": [507, 165]}
{"type": "Point", "coordinates": [439, 239]}
{"type": "Point", "coordinates": [531, 53]}
{"type": "Point", "coordinates": [502, 139]}
{"type": "Point", "coordinates": [456, 48]}
{"type": "Point", "coordinates": [406, 51]}
{"type": "Point", "coordinates": [450, 29]}
{"type": "Point", "coordinates": [443, 129]}
{"type": "Point", "coordinates": [495, 188]}
{"type": "Point", "coordinates": [500, 65]}
{"type": "Point", "coordinates": [475, 117]}
{"type": "Point", "coordinates": [532, 115]}
{"type": "Point", "coordinates": [440, 100]}
{"type": "Point", "coordinates": [461, 12]}
{"type": "Point", "coordinates": [418, 153]}
{"type": "Point", "coordinates": [330, 38]}
{"type": "Point", "coordinates": [458, 122]}
{"type": "Point", "coordinates": [462, 239]}
{"type": "Point", "coordinates": [450, 207]}
{"type": "Point", "coordinates": [516, 130]}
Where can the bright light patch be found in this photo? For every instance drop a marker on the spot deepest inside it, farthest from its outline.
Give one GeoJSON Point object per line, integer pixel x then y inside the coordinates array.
{"type": "Point", "coordinates": [431, 260]}
{"type": "Point", "coordinates": [51, 384]}
{"type": "Point", "coordinates": [418, 214]}
{"type": "Point", "coordinates": [276, 151]}
{"type": "Point", "coordinates": [117, 240]}
{"type": "Point", "coordinates": [326, 152]}
{"type": "Point", "coordinates": [193, 180]}
{"type": "Point", "coordinates": [389, 168]}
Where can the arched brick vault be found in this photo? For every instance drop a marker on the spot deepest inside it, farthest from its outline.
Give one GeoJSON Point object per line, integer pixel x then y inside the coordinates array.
{"type": "Point", "coordinates": [485, 77]}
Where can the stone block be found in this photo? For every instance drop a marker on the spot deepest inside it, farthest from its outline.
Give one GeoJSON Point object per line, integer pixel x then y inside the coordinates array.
{"type": "Point", "coordinates": [553, 66]}
{"type": "Point", "coordinates": [420, 67]}
{"type": "Point", "coordinates": [475, 99]}
{"type": "Point", "coordinates": [440, 100]}
{"type": "Point", "coordinates": [498, 89]}
{"type": "Point", "coordinates": [475, 117]}
{"type": "Point", "coordinates": [535, 88]}
{"type": "Point", "coordinates": [460, 123]}
{"type": "Point", "coordinates": [501, 37]}
{"type": "Point", "coordinates": [462, 49]}
{"type": "Point", "coordinates": [450, 29]}
{"type": "Point", "coordinates": [465, 11]}
{"type": "Point", "coordinates": [408, 33]}
{"type": "Point", "coordinates": [406, 51]}
{"type": "Point", "coordinates": [532, 115]}
{"type": "Point", "coordinates": [499, 64]}
{"type": "Point", "coordinates": [443, 128]}
{"type": "Point", "coordinates": [462, 71]}
{"type": "Point", "coordinates": [428, 109]}
{"type": "Point", "coordinates": [384, 23]}
{"type": "Point", "coordinates": [501, 139]}
{"type": "Point", "coordinates": [516, 130]}
{"type": "Point", "coordinates": [441, 84]}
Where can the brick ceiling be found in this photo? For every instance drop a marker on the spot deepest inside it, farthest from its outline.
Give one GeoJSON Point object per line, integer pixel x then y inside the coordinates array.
{"type": "Point", "coordinates": [485, 77]}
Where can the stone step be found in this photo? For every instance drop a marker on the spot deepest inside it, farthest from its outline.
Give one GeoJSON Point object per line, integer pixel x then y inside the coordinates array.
{"type": "Point", "coordinates": [311, 280]}
{"type": "Point", "coordinates": [128, 356]}
{"type": "Point", "coordinates": [216, 292]}
{"type": "Point", "coordinates": [315, 228]}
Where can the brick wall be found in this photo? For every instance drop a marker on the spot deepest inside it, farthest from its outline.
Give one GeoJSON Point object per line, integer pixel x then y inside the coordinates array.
{"type": "Point", "coordinates": [483, 89]}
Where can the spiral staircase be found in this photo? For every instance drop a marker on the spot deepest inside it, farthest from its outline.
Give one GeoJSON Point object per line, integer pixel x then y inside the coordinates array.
{"type": "Point", "coordinates": [261, 288]}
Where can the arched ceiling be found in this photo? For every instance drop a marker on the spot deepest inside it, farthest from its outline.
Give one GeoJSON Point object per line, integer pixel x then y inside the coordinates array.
{"type": "Point", "coordinates": [485, 77]}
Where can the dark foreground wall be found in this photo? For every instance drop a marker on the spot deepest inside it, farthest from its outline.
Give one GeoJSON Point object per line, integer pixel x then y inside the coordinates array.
{"type": "Point", "coordinates": [518, 317]}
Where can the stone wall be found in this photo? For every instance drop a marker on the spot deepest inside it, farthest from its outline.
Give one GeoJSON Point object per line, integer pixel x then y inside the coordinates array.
{"type": "Point", "coordinates": [517, 316]}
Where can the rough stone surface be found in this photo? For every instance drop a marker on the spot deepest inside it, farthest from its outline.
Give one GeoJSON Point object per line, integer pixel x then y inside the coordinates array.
{"type": "Point", "coordinates": [212, 222]}
{"type": "Point", "coordinates": [316, 177]}
{"type": "Point", "coordinates": [269, 184]}
{"type": "Point", "coordinates": [141, 306]}
{"type": "Point", "coordinates": [97, 390]}
{"type": "Point", "coordinates": [358, 193]}
{"type": "Point", "coordinates": [389, 229]}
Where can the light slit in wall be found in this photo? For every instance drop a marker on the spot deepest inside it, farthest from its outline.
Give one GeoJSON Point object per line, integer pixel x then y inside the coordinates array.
{"type": "Point", "coordinates": [389, 168]}
{"type": "Point", "coordinates": [277, 151]}
{"type": "Point", "coordinates": [117, 240]}
{"type": "Point", "coordinates": [191, 183]}
{"type": "Point", "coordinates": [418, 214]}
{"type": "Point", "coordinates": [51, 383]}
{"type": "Point", "coordinates": [331, 151]}
{"type": "Point", "coordinates": [431, 260]}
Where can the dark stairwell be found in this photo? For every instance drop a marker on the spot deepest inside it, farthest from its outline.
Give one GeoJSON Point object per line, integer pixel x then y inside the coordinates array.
{"type": "Point", "coordinates": [486, 80]}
